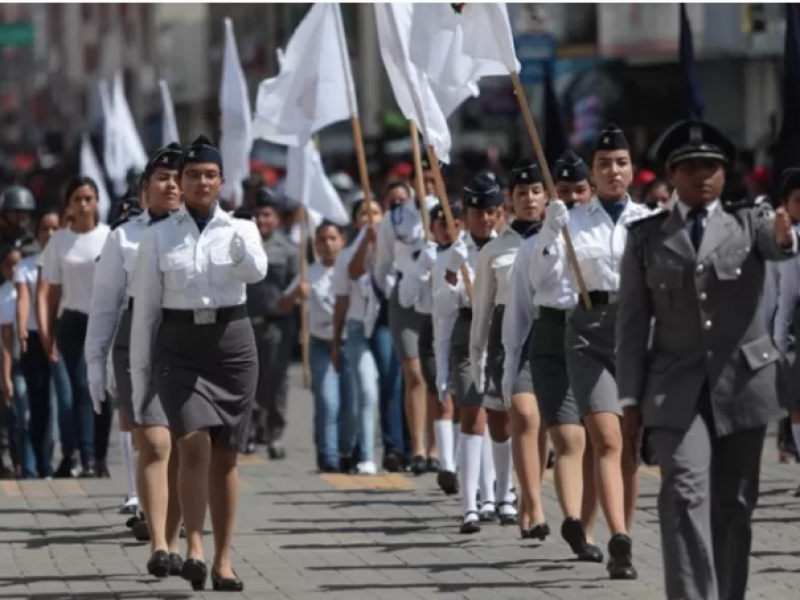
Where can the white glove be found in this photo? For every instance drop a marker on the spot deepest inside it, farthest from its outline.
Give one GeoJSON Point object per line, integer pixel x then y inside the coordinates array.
{"type": "Point", "coordinates": [237, 248]}
{"type": "Point", "coordinates": [457, 257]}
{"type": "Point", "coordinates": [97, 388]}
{"type": "Point", "coordinates": [508, 388]}
{"type": "Point", "coordinates": [427, 257]}
{"type": "Point", "coordinates": [556, 215]}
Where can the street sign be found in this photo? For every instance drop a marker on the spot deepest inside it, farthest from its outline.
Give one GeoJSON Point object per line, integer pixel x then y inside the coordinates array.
{"type": "Point", "coordinates": [533, 49]}
{"type": "Point", "coordinates": [16, 35]}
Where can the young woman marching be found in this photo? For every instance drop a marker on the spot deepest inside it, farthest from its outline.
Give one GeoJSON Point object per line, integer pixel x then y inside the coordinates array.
{"type": "Point", "coordinates": [484, 205]}
{"type": "Point", "coordinates": [489, 294]}
{"type": "Point", "coordinates": [191, 273]}
{"type": "Point", "coordinates": [67, 277]}
{"type": "Point", "coordinates": [541, 307]}
{"type": "Point", "coordinates": [416, 291]}
{"type": "Point", "coordinates": [109, 331]}
{"type": "Point", "coordinates": [598, 230]}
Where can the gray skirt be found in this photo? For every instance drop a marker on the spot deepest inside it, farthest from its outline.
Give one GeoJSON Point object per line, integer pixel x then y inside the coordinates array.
{"type": "Point", "coordinates": [523, 384]}
{"type": "Point", "coordinates": [557, 403]}
{"type": "Point", "coordinates": [591, 359]}
{"type": "Point", "coordinates": [404, 325]}
{"type": "Point", "coordinates": [465, 393]}
{"type": "Point", "coordinates": [207, 377]}
{"type": "Point", "coordinates": [427, 358]}
{"type": "Point", "coordinates": [152, 412]}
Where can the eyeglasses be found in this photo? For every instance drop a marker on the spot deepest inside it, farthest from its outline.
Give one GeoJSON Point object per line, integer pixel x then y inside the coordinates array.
{"type": "Point", "coordinates": [195, 175]}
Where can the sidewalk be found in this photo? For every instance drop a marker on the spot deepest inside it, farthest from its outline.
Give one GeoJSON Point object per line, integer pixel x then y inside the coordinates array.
{"type": "Point", "coordinates": [304, 536]}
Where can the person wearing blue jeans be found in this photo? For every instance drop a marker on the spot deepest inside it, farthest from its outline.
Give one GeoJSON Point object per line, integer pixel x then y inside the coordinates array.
{"type": "Point", "coordinates": [360, 407]}
{"type": "Point", "coordinates": [21, 450]}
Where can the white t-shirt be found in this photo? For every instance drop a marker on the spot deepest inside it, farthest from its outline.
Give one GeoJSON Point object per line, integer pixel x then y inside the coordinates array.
{"type": "Point", "coordinates": [320, 300]}
{"type": "Point", "coordinates": [69, 261]}
{"type": "Point", "coordinates": [27, 272]}
{"type": "Point", "coordinates": [8, 311]}
{"type": "Point", "coordinates": [342, 285]}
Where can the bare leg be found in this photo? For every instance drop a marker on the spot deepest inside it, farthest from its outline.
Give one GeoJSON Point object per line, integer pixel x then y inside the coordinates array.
{"type": "Point", "coordinates": [223, 498]}
{"type": "Point", "coordinates": [194, 451]}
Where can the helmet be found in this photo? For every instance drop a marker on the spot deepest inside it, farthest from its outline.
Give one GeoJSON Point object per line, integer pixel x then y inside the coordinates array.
{"type": "Point", "coordinates": [17, 197]}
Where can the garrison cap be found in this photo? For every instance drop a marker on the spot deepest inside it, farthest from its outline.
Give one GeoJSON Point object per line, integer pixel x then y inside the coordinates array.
{"type": "Point", "coordinates": [437, 212]}
{"type": "Point", "coordinates": [526, 172]}
{"type": "Point", "coordinates": [168, 157]}
{"type": "Point", "coordinates": [201, 150]}
{"type": "Point", "coordinates": [692, 139]}
{"type": "Point", "coordinates": [483, 192]}
{"type": "Point", "coordinates": [266, 198]}
{"type": "Point", "coordinates": [611, 137]}
{"type": "Point", "coordinates": [570, 168]}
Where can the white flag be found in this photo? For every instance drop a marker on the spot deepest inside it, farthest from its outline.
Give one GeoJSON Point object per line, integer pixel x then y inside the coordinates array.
{"type": "Point", "coordinates": [169, 124]}
{"type": "Point", "coordinates": [130, 150]}
{"type": "Point", "coordinates": [315, 85]}
{"type": "Point", "coordinates": [90, 167]}
{"type": "Point", "coordinates": [236, 139]}
{"type": "Point", "coordinates": [306, 182]}
{"type": "Point", "coordinates": [458, 46]}
{"type": "Point", "coordinates": [112, 150]}
{"type": "Point", "coordinates": [418, 99]}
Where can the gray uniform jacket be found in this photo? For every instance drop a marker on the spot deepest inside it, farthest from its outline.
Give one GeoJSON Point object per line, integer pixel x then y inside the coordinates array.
{"type": "Point", "coordinates": [707, 325]}
{"type": "Point", "coordinates": [284, 264]}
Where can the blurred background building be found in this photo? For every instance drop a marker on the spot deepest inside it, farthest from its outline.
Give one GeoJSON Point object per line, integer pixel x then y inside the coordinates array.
{"type": "Point", "coordinates": [611, 62]}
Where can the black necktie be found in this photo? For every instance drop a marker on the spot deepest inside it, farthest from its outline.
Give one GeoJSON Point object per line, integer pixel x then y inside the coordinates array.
{"type": "Point", "coordinates": [697, 217]}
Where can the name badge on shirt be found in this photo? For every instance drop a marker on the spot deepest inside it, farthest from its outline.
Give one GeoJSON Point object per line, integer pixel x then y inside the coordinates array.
{"type": "Point", "coordinates": [205, 316]}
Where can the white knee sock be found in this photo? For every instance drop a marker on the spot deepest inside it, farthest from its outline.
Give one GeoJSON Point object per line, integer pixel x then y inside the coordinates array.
{"type": "Point", "coordinates": [457, 444]}
{"type": "Point", "coordinates": [487, 470]}
{"type": "Point", "coordinates": [443, 432]}
{"type": "Point", "coordinates": [503, 467]}
{"type": "Point", "coordinates": [130, 465]}
{"type": "Point", "coordinates": [796, 434]}
{"type": "Point", "coordinates": [470, 466]}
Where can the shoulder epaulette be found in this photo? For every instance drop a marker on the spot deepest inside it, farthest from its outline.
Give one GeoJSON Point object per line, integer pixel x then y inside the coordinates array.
{"type": "Point", "coordinates": [737, 205]}
{"type": "Point", "coordinates": [651, 218]}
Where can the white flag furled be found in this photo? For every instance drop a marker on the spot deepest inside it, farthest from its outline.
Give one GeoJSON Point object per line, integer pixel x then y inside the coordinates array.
{"type": "Point", "coordinates": [315, 85]}
{"type": "Point", "coordinates": [130, 150]}
{"type": "Point", "coordinates": [90, 167]}
{"type": "Point", "coordinates": [112, 149]}
{"type": "Point", "coordinates": [419, 100]}
{"type": "Point", "coordinates": [236, 139]}
{"type": "Point", "coordinates": [455, 46]}
{"type": "Point", "coordinates": [169, 124]}
{"type": "Point", "coordinates": [306, 182]}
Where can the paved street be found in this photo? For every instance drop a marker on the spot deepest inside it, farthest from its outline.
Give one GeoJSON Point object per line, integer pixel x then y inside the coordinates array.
{"type": "Point", "coordinates": [302, 536]}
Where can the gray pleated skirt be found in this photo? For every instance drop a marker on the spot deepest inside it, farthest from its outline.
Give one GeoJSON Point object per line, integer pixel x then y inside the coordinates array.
{"type": "Point", "coordinates": [465, 393]}
{"type": "Point", "coordinates": [591, 359]}
{"type": "Point", "coordinates": [207, 377]}
{"type": "Point", "coordinates": [557, 403]}
{"type": "Point", "coordinates": [152, 412]}
{"type": "Point", "coordinates": [523, 384]}
{"type": "Point", "coordinates": [404, 325]}
{"type": "Point", "coordinates": [426, 354]}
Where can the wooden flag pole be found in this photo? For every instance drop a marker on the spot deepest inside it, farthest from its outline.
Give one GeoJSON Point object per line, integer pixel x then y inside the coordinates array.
{"type": "Point", "coordinates": [448, 214]}
{"type": "Point", "coordinates": [361, 157]}
{"type": "Point", "coordinates": [419, 183]}
{"type": "Point", "coordinates": [304, 338]}
{"type": "Point", "coordinates": [548, 179]}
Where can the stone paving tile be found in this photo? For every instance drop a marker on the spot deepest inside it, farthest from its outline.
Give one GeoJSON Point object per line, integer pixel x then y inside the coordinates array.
{"type": "Point", "coordinates": [305, 537]}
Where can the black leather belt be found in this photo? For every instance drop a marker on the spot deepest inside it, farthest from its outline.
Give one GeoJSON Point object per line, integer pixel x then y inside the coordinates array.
{"type": "Point", "coordinates": [602, 298]}
{"type": "Point", "coordinates": [553, 315]}
{"type": "Point", "coordinates": [204, 316]}
{"type": "Point", "coordinates": [130, 304]}
{"type": "Point", "coordinates": [465, 312]}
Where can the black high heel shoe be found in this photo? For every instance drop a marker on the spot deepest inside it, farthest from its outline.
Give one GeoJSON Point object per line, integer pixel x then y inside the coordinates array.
{"type": "Point", "coordinates": [195, 572]}
{"type": "Point", "coordinates": [158, 565]}
{"type": "Point", "coordinates": [223, 584]}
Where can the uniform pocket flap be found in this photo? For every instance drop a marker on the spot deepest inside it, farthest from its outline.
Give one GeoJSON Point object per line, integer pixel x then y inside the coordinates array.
{"type": "Point", "coordinates": [760, 352]}
{"type": "Point", "coordinates": [664, 277]}
{"type": "Point", "coordinates": [728, 269]}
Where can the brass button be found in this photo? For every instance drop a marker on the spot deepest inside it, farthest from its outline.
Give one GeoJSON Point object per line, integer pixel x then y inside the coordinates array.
{"type": "Point", "coordinates": [738, 272]}
{"type": "Point", "coordinates": [707, 325]}
{"type": "Point", "coordinates": [703, 297]}
{"type": "Point", "coordinates": [700, 268]}
{"type": "Point", "coordinates": [709, 354]}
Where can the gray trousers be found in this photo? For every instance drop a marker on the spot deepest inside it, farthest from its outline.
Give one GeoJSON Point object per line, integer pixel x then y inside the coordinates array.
{"type": "Point", "coordinates": [709, 489]}
{"type": "Point", "coordinates": [275, 339]}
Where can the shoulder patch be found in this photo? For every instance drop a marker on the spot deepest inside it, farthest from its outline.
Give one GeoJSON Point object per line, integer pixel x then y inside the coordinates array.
{"type": "Point", "coordinates": [655, 217]}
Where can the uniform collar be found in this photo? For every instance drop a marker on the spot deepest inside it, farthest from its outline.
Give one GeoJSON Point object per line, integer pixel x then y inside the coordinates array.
{"type": "Point", "coordinates": [684, 209]}
{"type": "Point", "coordinates": [218, 214]}
{"type": "Point", "coordinates": [595, 205]}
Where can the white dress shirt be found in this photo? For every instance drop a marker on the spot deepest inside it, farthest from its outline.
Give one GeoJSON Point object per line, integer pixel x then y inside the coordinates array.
{"type": "Point", "coordinates": [400, 234]}
{"type": "Point", "coordinates": [179, 267]}
{"type": "Point", "coordinates": [416, 288]}
{"type": "Point", "coordinates": [490, 289]}
{"type": "Point", "coordinates": [69, 260]}
{"type": "Point", "coordinates": [342, 285]}
{"type": "Point", "coordinates": [598, 242]}
{"type": "Point", "coordinates": [320, 300]}
{"type": "Point", "coordinates": [113, 286]}
{"type": "Point", "coordinates": [27, 273]}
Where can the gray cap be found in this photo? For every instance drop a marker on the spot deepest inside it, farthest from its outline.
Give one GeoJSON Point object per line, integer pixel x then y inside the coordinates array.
{"type": "Point", "coordinates": [17, 197]}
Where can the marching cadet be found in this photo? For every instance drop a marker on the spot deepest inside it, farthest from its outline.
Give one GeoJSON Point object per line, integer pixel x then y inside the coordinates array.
{"type": "Point", "coordinates": [190, 320]}
{"type": "Point", "coordinates": [17, 206]}
{"type": "Point", "coordinates": [275, 332]}
{"type": "Point", "coordinates": [416, 290]}
{"type": "Point", "coordinates": [484, 201]}
{"type": "Point", "coordinates": [489, 293]}
{"type": "Point", "coordinates": [709, 383]}
{"type": "Point", "coordinates": [538, 306]}
{"type": "Point", "coordinates": [598, 231]}
{"type": "Point", "coordinates": [109, 332]}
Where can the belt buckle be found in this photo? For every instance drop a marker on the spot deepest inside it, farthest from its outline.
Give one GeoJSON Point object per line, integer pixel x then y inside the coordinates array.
{"type": "Point", "coordinates": [205, 316]}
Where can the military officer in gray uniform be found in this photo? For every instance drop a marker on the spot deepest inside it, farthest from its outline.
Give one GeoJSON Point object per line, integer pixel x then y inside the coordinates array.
{"type": "Point", "coordinates": [275, 332]}
{"type": "Point", "coordinates": [709, 384]}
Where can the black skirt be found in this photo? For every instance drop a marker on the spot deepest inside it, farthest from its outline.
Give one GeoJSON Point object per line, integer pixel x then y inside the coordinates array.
{"type": "Point", "coordinates": [427, 357]}
{"type": "Point", "coordinates": [206, 377]}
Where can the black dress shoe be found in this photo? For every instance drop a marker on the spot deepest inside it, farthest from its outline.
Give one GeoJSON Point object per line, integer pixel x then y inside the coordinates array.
{"type": "Point", "coordinates": [448, 482]}
{"type": "Point", "coordinates": [540, 532]}
{"type": "Point", "coordinates": [88, 470]}
{"type": "Point", "coordinates": [222, 584]}
{"type": "Point", "coordinates": [6, 473]}
{"type": "Point", "coordinates": [524, 533]}
{"type": "Point", "coordinates": [65, 470]}
{"type": "Point", "coordinates": [620, 563]}
{"type": "Point", "coordinates": [276, 452]}
{"type": "Point", "coordinates": [419, 465]}
{"type": "Point", "coordinates": [574, 534]}
{"type": "Point", "coordinates": [434, 466]}
{"type": "Point", "coordinates": [159, 564]}
{"type": "Point", "coordinates": [392, 462]}
{"type": "Point", "coordinates": [326, 468]}
{"type": "Point", "coordinates": [488, 512]}
{"type": "Point", "coordinates": [347, 464]}
{"type": "Point", "coordinates": [141, 532]}
{"type": "Point", "coordinates": [195, 572]}
{"type": "Point", "coordinates": [175, 564]}
{"type": "Point", "coordinates": [592, 554]}
{"type": "Point", "coordinates": [102, 470]}
{"type": "Point", "coordinates": [471, 526]}
{"type": "Point", "coordinates": [506, 518]}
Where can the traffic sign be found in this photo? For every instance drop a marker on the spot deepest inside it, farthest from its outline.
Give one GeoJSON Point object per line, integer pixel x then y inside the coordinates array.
{"type": "Point", "coordinates": [16, 35]}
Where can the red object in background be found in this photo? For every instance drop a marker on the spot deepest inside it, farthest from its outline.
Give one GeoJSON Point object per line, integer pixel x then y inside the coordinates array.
{"type": "Point", "coordinates": [401, 171]}
{"type": "Point", "coordinates": [643, 177]}
{"type": "Point", "coordinates": [269, 174]}
{"type": "Point", "coordinates": [761, 176]}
